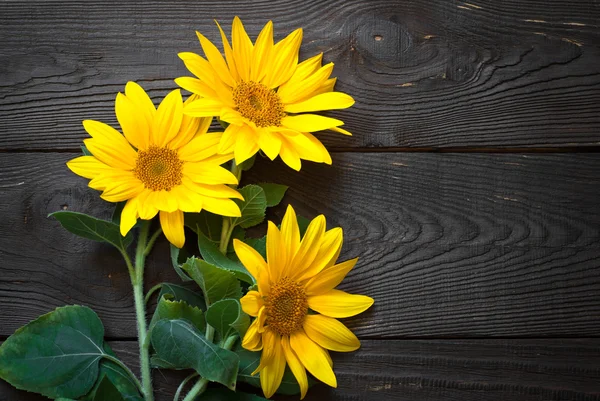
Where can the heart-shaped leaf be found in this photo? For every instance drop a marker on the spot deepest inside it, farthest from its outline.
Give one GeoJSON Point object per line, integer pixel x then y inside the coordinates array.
{"type": "Point", "coordinates": [216, 283]}
{"type": "Point", "coordinates": [176, 255]}
{"type": "Point", "coordinates": [171, 309]}
{"type": "Point", "coordinates": [180, 344]}
{"type": "Point", "coordinates": [56, 355]}
{"type": "Point", "coordinates": [92, 228]}
{"type": "Point", "coordinates": [226, 315]}
{"type": "Point", "coordinates": [180, 293]}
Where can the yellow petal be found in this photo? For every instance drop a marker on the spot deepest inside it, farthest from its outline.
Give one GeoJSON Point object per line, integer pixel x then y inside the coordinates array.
{"type": "Point", "coordinates": [168, 119]}
{"type": "Point", "coordinates": [302, 90]}
{"type": "Point", "coordinates": [196, 86]}
{"type": "Point", "coordinates": [228, 54]}
{"type": "Point", "coordinates": [198, 66]}
{"type": "Point", "coordinates": [304, 70]}
{"type": "Point", "coordinates": [146, 210]}
{"type": "Point", "coordinates": [329, 278]}
{"type": "Point", "coordinates": [129, 216]}
{"type": "Point", "coordinates": [284, 60]}
{"type": "Point", "coordinates": [312, 357]}
{"type": "Point", "coordinates": [109, 146]}
{"type": "Point", "coordinates": [231, 116]}
{"type": "Point", "coordinates": [133, 124]}
{"type": "Point", "coordinates": [290, 232]}
{"type": "Point", "coordinates": [162, 200]}
{"type": "Point", "coordinates": [246, 145]}
{"type": "Point", "coordinates": [172, 226]}
{"type": "Point", "coordinates": [309, 247]}
{"type": "Point", "coordinates": [270, 143]}
{"type": "Point", "coordinates": [252, 261]}
{"type": "Point", "coordinates": [201, 147]}
{"type": "Point", "coordinates": [252, 302]}
{"type": "Point", "coordinates": [212, 191]}
{"type": "Point", "coordinates": [187, 200]}
{"type": "Point", "coordinates": [330, 333]}
{"type": "Point", "coordinates": [252, 339]}
{"type": "Point", "coordinates": [223, 207]}
{"type": "Point", "coordinates": [324, 101]}
{"type": "Point", "coordinates": [270, 340]}
{"type": "Point", "coordinates": [295, 366]}
{"type": "Point", "coordinates": [242, 49]}
{"type": "Point", "coordinates": [208, 173]}
{"type": "Point", "coordinates": [89, 167]}
{"type": "Point", "coordinates": [219, 158]}
{"type": "Point", "coordinates": [276, 253]}
{"type": "Point", "coordinates": [122, 188]}
{"type": "Point", "coordinates": [261, 53]}
{"type": "Point", "coordinates": [289, 155]}
{"type": "Point", "coordinates": [329, 248]}
{"type": "Point", "coordinates": [309, 147]}
{"type": "Point", "coordinates": [341, 131]}
{"type": "Point", "coordinates": [190, 127]}
{"type": "Point", "coordinates": [229, 139]}
{"type": "Point", "coordinates": [142, 101]}
{"type": "Point", "coordinates": [336, 303]}
{"type": "Point", "coordinates": [216, 60]}
{"type": "Point", "coordinates": [271, 374]}
{"type": "Point", "coordinates": [204, 107]}
{"type": "Point", "coordinates": [310, 122]}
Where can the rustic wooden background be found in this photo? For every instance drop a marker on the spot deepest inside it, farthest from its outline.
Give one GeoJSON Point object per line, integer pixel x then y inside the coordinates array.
{"type": "Point", "coordinates": [470, 189]}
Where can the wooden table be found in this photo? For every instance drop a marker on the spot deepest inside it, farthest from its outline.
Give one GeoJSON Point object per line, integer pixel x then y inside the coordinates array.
{"type": "Point", "coordinates": [470, 189]}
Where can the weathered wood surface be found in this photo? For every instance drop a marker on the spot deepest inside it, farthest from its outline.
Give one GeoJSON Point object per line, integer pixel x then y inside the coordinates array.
{"type": "Point", "coordinates": [409, 370]}
{"type": "Point", "coordinates": [441, 74]}
{"type": "Point", "coordinates": [452, 245]}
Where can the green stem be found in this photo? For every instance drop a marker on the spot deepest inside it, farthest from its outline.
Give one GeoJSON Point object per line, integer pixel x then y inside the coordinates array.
{"type": "Point", "coordinates": [182, 385]}
{"type": "Point", "coordinates": [201, 384]}
{"type": "Point", "coordinates": [152, 241]}
{"type": "Point", "coordinates": [140, 311]}
{"type": "Point", "coordinates": [126, 369]}
{"type": "Point", "coordinates": [151, 291]}
{"type": "Point", "coordinates": [226, 231]}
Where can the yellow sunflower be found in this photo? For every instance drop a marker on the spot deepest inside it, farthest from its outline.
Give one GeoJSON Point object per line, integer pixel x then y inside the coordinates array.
{"type": "Point", "coordinates": [260, 89]}
{"type": "Point", "coordinates": [298, 276]}
{"type": "Point", "coordinates": [164, 162]}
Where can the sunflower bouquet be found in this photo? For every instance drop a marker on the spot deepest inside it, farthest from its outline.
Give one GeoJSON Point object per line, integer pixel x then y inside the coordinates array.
{"type": "Point", "coordinates": [257, 310]}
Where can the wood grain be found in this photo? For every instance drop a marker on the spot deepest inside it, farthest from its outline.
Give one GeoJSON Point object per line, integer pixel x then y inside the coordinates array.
{"type": "Point", "coordinates": [450, 245]}
{"type": "Point", "coordinates": [425, 74]}
{"type": "Point", "coordinates": [461, 370]}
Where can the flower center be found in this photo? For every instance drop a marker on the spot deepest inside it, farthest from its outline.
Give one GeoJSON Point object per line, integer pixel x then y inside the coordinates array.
{"type": "Point", "coordinates": [158, 168]}
{"type": "Point", "coordinates": [258, 104]}
{"type": "Point", "coordinates": [286, 307]}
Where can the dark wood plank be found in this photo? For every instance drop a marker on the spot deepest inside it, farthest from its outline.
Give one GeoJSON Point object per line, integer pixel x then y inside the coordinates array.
{"type": "Point", "coordinates": [424, 73]}
{"type": "Point", "coordinates": [450, 245]}
{"type": "Point", "coordinates": [462, 370]}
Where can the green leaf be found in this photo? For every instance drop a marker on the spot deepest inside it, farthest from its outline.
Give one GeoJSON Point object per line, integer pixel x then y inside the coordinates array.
{"type": "Point", "coordinates": [92, 228]}
{"type": "Point", "coordinates": [253, 206]}
{"type": "Point", "coordinates": [247, 165]}
{"type": "Point", "coordinates": [250, 360]}
{"type": "Point", "coordinates": [180, 344]}
{"type": "Point", "coordinates": [212, 255]}
{"type": "Point", "coordinates": [180, 293]}
{"type": "Point", "coordinates": [85, 151]}
{"type": "Point", "coordinates": [176, 255]}
{"type": "Point", "coordinates": [107, 391]}
{"type": "Point", "coordinates": [216, 283]}
{"type": "Point", "coordinates": [208, 223]}
{"type": "Point", "coordinates": [171, 309]}
{"type": "Point", "coordinates": [56, 355]}
{"type": "Point", "coordinates": [226, 315]}
{"type": "Point", "coordinates": [117, 376]}
{"type": "Point", "coordinates": [273, 192]}
{"type": "Point", "coordinates": [222, 394]}
{"type": "Point", "coordinates": [303, 223]}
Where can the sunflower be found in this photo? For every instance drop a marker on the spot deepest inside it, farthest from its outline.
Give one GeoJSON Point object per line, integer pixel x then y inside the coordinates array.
{"type": "Point", "coordinates": [164, 162]}
{"type": "Point", "coordinates": [260, 90]}
{"type": "Point", "coordinates": [299, 276]}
